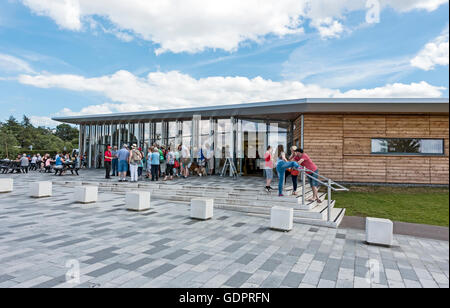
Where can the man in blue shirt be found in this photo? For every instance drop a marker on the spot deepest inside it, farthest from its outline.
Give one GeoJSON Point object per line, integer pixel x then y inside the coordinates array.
{"type": "Point", "coordinates": [124, 156]}
{"type": "Point", "coordinates": [155, 160]}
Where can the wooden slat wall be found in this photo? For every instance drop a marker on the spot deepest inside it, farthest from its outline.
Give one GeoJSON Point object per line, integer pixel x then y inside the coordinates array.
{"type": "Point", "coordinates": [340, 145]}
{"type": "Point", "coordinates": [323, 137]}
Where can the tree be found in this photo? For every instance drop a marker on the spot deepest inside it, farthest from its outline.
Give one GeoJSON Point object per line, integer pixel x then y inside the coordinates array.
{"type": "Point", "coordinates": [66, 132]}
{"type": "Point", "coordinates": [8, 144]}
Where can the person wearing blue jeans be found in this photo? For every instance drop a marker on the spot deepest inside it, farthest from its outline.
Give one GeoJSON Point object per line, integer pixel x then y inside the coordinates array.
{"type": "Point", "coordinates": [281, 170]}
{"type": "Point", "coordinates": [115, 162]}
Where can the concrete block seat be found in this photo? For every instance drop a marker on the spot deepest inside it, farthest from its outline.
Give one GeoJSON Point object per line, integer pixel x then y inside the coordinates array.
{"type": "Point", "coordinates": [41, 189]}
{"type": "Point", "coordinates": [86, 194]}
{"type": "Point", "coordinates": [281, 218]}
{"type": "Point", "coordinates": [379, 231]}
{"type": "Point", "coordinates": [202, 208]}
{"type": "Point", "coordinates": [6, 185]}
{"type": "Point", "coordinates": [137, 201]}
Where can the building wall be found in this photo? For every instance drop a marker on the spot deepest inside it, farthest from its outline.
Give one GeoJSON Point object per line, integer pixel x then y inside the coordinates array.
{"type": "Point", "coordinates": [340, 145]}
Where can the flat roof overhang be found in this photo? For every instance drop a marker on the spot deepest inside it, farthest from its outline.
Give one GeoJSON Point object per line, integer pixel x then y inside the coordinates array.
{"type": "Point", "coordinates": [278, 110]}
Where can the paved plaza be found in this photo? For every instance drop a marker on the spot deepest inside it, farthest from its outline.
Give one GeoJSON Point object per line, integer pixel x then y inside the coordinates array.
{"type": "Point", "coordinates": [41, 240]}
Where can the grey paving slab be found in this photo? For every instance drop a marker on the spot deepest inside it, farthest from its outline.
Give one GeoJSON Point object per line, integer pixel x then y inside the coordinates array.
{"type": "Point", "coordinates": [165, 248]}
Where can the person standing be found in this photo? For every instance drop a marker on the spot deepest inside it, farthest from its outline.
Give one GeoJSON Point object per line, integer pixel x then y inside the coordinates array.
{"type": "Point", "coordinates": [24, 163]}
{"type": "Point", "coordinates": [177, 161]}
{"type": "Point", "coordinates": [305, 161]}
{"type": "Point", "coordinates": [141, 164]}
{"type": "Point", "coordinates": [33, 162]}
{"type": "Point", "coordinates": [108, 160]}
{"type": "Point", "coordinates": [149, 161]}
{"type": "Point", "coordinates": [282, 166]}
{"type": "Point", "coordinates": [268, 167]}
{"type": "Point", "coordinates": [134, 160]}
{"type": "Point", "coordinates": [123, 156]}
{"type": "Point", "coordinates": [115, 161]}
{"type": "Point", "coordinates": [162, 161]}
{"type": "Point", "coordinates": [185, 160]}
{"type": "Point", "coordinates": [155, 160]}
{"type": "Point", "coordinates": [170, 159]}
{"type": "Point", "coordinates": [209, 159]}
{"type": "Point", "coordinates": [294, 172]}
{"type": "Point", "coordinates": [39, 161]}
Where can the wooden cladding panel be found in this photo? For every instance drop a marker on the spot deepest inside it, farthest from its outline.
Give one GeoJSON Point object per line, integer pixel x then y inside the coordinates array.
{"type": "Point", "coordinates": [407, 126]}
{"type": "Point", "coordinates": [357, 145]}
{"type": "Point", "coordinates": [408, 170]}
{"type": "Point", "coordinates": [323, 143]}
{"type": "Point", "coordinates": [365, 169]}
{"type": "Point", "coordinates": [340, 146]}
{"type": "Point", "coordinates": [439, 127]}
{"type": "Point", "coordinates": [364, 126]}
{"type": "Point", "coordinates": [439, 170]}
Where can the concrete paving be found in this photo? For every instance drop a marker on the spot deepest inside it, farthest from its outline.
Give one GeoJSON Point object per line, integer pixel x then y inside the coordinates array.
{"type": "Point", "coordinates": [51, 242]}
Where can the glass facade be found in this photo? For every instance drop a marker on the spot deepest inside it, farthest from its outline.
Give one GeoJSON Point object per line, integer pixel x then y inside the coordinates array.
{"type": "Point", "coordinates": [244, 141]}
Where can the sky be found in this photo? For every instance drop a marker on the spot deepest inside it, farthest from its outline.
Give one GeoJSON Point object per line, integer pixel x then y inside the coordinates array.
{"type": "Point", "coordinates": [76, 57]}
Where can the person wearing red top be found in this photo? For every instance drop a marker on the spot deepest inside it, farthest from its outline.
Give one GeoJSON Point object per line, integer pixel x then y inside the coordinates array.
{"type": "Point", "coordinates": [108, 160]}
{"type": "Point", "coordinates": [306, 162]}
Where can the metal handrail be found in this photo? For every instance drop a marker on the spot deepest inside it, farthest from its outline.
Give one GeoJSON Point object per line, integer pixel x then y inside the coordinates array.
{"type": "Point", "coordinates": [329, 184]}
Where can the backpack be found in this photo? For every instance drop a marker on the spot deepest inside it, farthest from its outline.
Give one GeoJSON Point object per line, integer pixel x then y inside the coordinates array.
{"type": "Point", "coordinates": [135, 156]}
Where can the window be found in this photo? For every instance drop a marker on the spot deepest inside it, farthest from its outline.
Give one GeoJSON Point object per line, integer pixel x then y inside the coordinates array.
{"type": "Point", "coordinates": [408, 146]}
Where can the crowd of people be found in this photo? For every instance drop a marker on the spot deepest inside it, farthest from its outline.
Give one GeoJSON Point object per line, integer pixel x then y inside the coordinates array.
{"type": "Point", "coordinates": [160, 162]}
{"type": "Point", "coordinates": [45, 163]}
{"type": "Point", "coordinates": [165, 163]}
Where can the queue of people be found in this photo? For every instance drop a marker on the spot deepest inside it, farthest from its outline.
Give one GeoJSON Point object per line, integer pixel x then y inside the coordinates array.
{"type": "Point", "coordinates": [166, 163]}
{"type": "Point", "coordinates": [160, 162]}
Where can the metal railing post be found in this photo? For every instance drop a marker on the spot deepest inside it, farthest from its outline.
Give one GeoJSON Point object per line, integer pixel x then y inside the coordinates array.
{"type": "Point", "coordinates": [303, 187]}
{"type": "Point", "coordinates": [329, 200]}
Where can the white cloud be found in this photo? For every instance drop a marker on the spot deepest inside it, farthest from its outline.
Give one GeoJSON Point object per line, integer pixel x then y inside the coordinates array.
{"type": "Point", "coordinates": [409, 5]}
{"type": "Point", "coordinates": [11, 64]}
{"type": "Point", "coordinates": [328, 27]}
{"type": "Point", "coordinates": [159, 90]}
{"type": "Point", "coordinates": [434, 53]}
{"type": "Point", "coordinates": [194, 25]}
{"type": "Point", "coordinates": [66, 13]}
{"type": "Point", "coordinates": [397, 90]}
{"type": "Point", "coordinates": [43, 121]}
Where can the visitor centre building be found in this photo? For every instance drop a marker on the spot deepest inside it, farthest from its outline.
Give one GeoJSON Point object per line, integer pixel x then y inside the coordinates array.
{"type": "Point", "coordinates": [400, 140]}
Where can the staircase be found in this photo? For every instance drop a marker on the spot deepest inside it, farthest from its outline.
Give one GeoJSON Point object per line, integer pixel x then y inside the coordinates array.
{"type": "Point", "coordinates": [249, 200]}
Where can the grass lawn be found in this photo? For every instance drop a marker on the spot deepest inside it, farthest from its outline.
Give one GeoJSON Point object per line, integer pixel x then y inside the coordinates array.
{"type": "Point", "coordinates": [420, 205]}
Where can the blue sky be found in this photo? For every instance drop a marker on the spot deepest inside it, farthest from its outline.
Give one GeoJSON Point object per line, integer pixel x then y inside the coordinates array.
{"type": "Point", "coordinates": [81, 57]}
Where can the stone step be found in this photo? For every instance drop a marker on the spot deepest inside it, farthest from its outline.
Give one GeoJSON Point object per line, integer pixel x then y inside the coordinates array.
{"type": "Point", "coordinates": [337, 214]}
{"type": "Point", "coordinates": [247, 201]}
{"type": "Point", "coordinates": [318, 213]}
